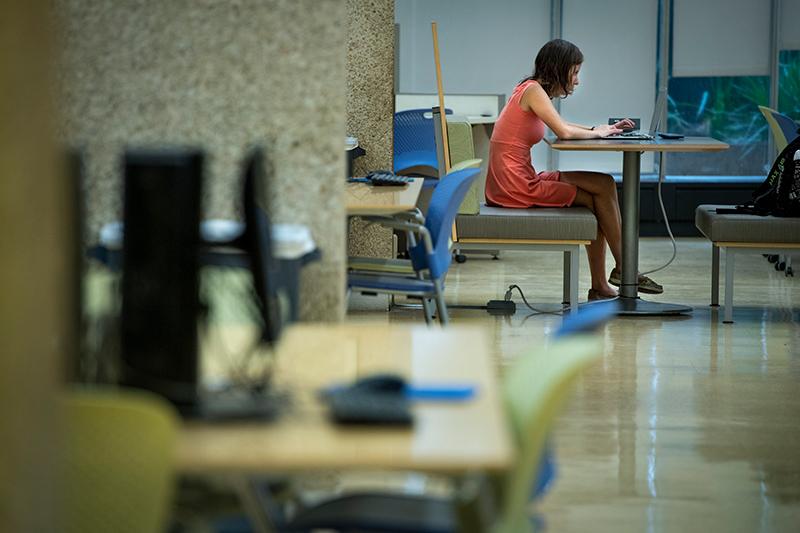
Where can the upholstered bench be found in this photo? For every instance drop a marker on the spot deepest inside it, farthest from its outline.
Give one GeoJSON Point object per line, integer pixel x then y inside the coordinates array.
{"type": "Point", "coordinates": [740, 233]}
{"type": "Point", "coordinates": [540, 229]}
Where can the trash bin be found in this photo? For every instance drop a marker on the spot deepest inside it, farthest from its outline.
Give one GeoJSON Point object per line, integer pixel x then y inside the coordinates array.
{"type": "Point", "coordinates": [293, 248]}
{"type": "Point", "coordinates": [353, 151]}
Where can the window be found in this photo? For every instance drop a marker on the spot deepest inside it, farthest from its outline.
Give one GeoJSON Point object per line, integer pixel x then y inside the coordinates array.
{"type": "Point", "coordinates": [725, 108]}
{"type": "Point", "coordinates": [789, 83]}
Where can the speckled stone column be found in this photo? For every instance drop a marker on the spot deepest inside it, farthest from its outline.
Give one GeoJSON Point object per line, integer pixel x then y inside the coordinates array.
{"type": "Point", "coordinates": [370, 104]}
{"type": "Point", "coordinates": [220, 75]}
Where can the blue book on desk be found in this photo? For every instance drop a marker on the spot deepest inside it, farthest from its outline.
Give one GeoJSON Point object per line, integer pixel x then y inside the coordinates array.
{"type": "Point", "coordinates": [450, 393]}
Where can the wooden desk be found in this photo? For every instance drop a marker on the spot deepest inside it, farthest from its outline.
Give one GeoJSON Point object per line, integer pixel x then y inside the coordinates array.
{"type": "Point", "coordinates": [631, 304]}
{"type": "Point", "coordinates": [446, 438]}
{"type": "Point", "coordinates": [481, 119]}
{"type": "Point", "coordinates": [687, 144]}
{"type": "Point", "coordinates": [364, 199]}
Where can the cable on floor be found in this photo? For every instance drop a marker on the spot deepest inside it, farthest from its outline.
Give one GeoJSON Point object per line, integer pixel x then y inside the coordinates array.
{"type": "Point", "coordinates": [511, 288]}
{"type": "Point", "coordinates": [661, 173]}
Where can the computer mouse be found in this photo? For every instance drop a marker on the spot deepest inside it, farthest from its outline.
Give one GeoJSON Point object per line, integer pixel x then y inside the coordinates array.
{"type": "Point", "coordinates": [381, 383]}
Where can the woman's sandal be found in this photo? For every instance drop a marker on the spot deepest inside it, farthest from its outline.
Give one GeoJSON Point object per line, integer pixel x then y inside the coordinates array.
{"type": "Point", "coordinates": [645, 284]}
{"type": "Point", "coordinates": [595, 295]}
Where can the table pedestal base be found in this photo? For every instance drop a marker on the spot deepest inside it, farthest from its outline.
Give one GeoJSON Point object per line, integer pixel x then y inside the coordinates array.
{"type": "Point", "coordinates": [637, 306]}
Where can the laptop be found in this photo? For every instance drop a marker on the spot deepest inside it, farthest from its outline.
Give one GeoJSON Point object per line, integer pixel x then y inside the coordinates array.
{"type": "Point", "coordinates": [638, 135]}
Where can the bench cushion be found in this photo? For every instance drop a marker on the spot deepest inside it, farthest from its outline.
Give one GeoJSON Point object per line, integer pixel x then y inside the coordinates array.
{"type": "Point", "coordinates": [536, 223]}
{"type": "Point", "coordinates": [745, 228]}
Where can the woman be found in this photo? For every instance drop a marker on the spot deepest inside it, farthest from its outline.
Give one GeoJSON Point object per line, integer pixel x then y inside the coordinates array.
{"type": "Point", "coordinates": [513, 182]}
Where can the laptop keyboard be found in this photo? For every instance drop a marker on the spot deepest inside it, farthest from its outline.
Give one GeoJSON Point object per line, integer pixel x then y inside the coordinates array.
{"type": "Point", "coordinates": [631, 135]}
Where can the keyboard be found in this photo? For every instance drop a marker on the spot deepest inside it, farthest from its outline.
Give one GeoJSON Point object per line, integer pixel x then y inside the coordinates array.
{"type": "Point", "coordinates": [384, 178]}
{"type": "Point", "coordinates": [632, 135]}
{"type": "Point", "coordinates": [353, 407]}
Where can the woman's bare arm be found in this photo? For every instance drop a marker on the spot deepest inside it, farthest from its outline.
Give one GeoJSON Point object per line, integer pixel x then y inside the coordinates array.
{"type": "Point", "coordinates": [535, 99]}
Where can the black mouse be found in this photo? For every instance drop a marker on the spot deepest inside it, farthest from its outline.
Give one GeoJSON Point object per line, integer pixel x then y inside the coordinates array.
{"type": "Point", "coordinates": [380, 383]}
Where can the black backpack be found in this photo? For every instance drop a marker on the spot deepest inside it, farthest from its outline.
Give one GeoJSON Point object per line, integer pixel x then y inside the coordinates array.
{"type": "Point", "coordinates": [779, 195]}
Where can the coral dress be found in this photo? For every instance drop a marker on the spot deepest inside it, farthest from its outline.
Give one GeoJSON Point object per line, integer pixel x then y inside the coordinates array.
{"type": "Point", "coordinates": [511, 180]}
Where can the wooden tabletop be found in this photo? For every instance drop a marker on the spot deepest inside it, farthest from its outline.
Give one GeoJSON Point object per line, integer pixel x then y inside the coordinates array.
{"type": "Point", "coordinates": [481, 119]}
{"type": "Point", "coordinates": [687, 144]}
{"type": "Point", "coordinates": [365, 199]}
{"type": "Point", "coordinates": [447, 437]}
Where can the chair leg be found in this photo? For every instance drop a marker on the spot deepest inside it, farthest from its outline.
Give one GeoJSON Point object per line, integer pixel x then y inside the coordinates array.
{"type": "Point", "coordinates": [566, 283]}
{"type": "Point", "coordinates": [261, 508]}
{"type": "Point", "coordinates": [440, 305]}
{"type": "Point", "coordinates": [426, 303]}
{"type": "Point", "coordinates": [574, 257]}
{"type": "Point", "coordinates": [426, 308]}
{"type": "Point", "coordinates": [730, 255]}
{"type": "Point", "coordinates": [715, 275]}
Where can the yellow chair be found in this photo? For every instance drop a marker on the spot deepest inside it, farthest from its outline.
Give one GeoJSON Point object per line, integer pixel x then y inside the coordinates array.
{"type": "Point", "coordinates": [535, 388]}
{"type": "Point", "coordinates": [117, 463]}
{"type": "Point", "coordinates": [783, 128]}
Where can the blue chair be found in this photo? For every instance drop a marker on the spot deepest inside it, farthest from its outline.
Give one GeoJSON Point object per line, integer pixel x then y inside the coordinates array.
{"type": "Point", "coordinates": [415, 143]}
{"type": "Point", "coordinates": [430, 258]}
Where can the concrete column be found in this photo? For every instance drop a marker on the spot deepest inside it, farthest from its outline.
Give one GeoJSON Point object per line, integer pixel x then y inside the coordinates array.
{"type": "Point", "coordinates": [219, 75]}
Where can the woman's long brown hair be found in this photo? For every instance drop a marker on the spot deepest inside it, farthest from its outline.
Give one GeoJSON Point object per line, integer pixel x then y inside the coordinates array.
{"type": "Point", "coordinates": [553, 64]}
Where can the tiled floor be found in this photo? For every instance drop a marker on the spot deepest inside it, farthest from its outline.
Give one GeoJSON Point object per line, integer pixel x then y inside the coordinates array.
{"type": "Point", "coordinates": [687, 424]}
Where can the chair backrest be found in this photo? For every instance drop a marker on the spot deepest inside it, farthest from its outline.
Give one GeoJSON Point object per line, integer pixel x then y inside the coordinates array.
{"type": "Point", "coordinates": [413, 131]}
{"type": "Point", "coordinates": [118, 461]}
{"type": "Point", "coordinates": [535, 388]}
{"type": "Point", "coordinates": [462, 149]}
{"type": "Point", "coordinates": [442, 210]}
{"type": "Point", "coordinates": [784, 129]}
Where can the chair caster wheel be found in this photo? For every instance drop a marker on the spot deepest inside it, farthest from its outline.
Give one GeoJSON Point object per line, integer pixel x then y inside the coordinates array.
{"type": "Point", "coordinates": [772, 258]}
{"type": "Point", "coordinates": [780, 265]}
{"type": "Point", "coordinates": [461, 258]}
{"type": "Point", "coordinates": [789, 272]}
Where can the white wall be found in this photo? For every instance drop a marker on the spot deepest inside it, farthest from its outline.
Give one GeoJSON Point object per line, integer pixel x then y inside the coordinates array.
{"type": "Point", "coordinates": [485, 47]}
{"type": "Point", "coordinates": [618, 39]}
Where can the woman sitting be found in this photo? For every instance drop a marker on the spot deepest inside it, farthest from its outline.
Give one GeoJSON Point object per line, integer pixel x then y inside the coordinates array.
{"type": "Point", "coordinates": [512, 180]}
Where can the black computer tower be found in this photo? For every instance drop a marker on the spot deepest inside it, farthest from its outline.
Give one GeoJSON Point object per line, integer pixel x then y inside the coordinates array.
{"type": "Point", "coordinates": [160, 303]}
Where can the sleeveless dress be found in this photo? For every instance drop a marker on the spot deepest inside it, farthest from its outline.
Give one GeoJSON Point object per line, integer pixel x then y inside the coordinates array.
{"type": "Point", "coordinates": [511, 180]}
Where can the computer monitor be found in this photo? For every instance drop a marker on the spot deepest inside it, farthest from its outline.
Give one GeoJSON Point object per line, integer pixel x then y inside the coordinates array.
{"type": "Point", "coordinates": [254, 399]}
{"type": "Point", "coordinates": [257, 242]}
{"type": "Point", "coordinates": [160, 302]}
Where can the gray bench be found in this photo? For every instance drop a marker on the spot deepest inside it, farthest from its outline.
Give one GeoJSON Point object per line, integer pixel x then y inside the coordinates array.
{"type": "Point", "coordinates": [549, 229]}
{"type": "Point", "coordinates": [741, 233]}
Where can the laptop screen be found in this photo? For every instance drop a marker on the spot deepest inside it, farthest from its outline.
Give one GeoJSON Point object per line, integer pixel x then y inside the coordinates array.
{"type": "Point", "coordinates": [637, 133]}
{"type": "Point", "coordinates": [661, 104]}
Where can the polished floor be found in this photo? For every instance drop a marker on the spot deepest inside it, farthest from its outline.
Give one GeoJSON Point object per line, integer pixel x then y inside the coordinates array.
{"type": "Point", "coordinates": [687, 424]}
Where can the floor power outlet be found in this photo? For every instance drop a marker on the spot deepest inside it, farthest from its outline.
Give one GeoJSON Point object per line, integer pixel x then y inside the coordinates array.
{"type": "Point", "coordinates": [501, 307]}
